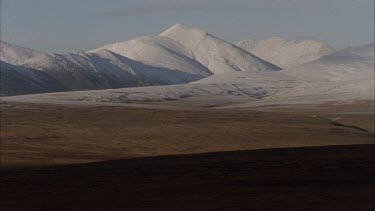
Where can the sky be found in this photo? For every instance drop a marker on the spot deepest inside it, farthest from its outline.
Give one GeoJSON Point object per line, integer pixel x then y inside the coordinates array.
{"type": "Point", "coordinates": [71, 25]}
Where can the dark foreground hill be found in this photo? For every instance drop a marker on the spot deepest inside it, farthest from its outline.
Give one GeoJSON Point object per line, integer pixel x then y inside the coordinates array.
{"type": "Point", "coordinates": [314, 178]}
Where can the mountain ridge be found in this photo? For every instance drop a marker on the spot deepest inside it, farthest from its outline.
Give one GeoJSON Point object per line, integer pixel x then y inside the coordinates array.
{"type": "Point", "coordinates": [15, 54]}
{"type": "Point", "coordinates": [179, 55]}
{"type": "Point", "coordinates": [216, 54]}
{"type": "Point", "coordinates": [344, 76]}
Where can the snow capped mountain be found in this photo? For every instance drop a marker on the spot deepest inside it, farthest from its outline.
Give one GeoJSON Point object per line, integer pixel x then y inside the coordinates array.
{"type": "Point", "coordinates": [14, 54]}
{"type": "Point", "coordinates": [148, 60]}
{"type": "Point", "coordinates": [208, 71]}
{"type": "Point", "coordinates": [286, 53]}
{"type": "Point", "coordinates": [217, 55]}
{"type": "Point", "coordinates": [102, 69]}
{"type": "Point", "coordinates": [159, 52]}
{"type": "Point", "coordinates": [72, 70]}
{"type": "Point", "coordinates": [343, 76]}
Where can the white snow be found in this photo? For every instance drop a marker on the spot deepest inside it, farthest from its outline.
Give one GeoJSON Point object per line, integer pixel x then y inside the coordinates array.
{"type": "Point", "coordinates": [217, 55]}
{"type": "Point", "coordinates": [286, 53]}
{"type": "Point", "coordinates": [14, 54]}
{"type": "Point", "coordinates": [230, 76]}
{"type": "Point", "coordinates": [159, 52]}
{"type": "Point", "coordinates": [101, 69]}
{"type": "Point", "coordinates": [104, 69]}
{"type": "Point", "coordinates": [189, 50]}
{"type": "Point", "coordinates": [343, 76]}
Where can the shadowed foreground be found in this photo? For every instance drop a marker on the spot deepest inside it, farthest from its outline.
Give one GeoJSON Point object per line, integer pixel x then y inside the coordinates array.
{"type": "Point", "coordinates": [314, 178]}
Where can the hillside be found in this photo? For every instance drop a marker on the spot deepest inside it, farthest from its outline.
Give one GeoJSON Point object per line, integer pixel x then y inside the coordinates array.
{"type": "Point", "coordinates": [14, 54]}
{"type": "Point", "coordinates": [84, 71]}
{"type": "Point", "coordinates": [286, 53]}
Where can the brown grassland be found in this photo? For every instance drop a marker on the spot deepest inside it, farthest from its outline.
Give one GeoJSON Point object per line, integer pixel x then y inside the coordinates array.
{"type": "Point", "coordinates": [56, 157]}
{"type": "Point", "coordinates": [36, 135]}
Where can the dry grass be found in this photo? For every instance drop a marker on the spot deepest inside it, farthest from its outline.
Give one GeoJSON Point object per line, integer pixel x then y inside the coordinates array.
{"type": "Point", "coordinates": [34, 135]}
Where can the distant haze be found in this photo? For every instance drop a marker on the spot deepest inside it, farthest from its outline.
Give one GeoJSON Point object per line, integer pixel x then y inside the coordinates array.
{"type": "Point", "coordinates": [73, 25]}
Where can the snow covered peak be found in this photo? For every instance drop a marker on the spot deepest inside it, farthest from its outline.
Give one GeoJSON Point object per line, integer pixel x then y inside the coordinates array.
{"type": "Point", "coordinates": [276, 40]}
{"type": "Point", "coordinates": [159, 51]}
{"type": "Point", "coordinates": [189, 50]}
{"type": "Point", "coordinates": [286, 53]}
{"type": "Point", "coordinates": [178, 27]}
{"type": "Point", "coordinates": [216, 54]}
{"type": "Point", "coordinates": [190, 36]}
{"type": "Point", "coordinates": [14, 54]}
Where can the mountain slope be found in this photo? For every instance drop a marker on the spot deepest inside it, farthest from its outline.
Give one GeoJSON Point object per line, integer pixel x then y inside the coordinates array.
{"type": "Point", "coordinates": [217, 55]}
{"type": "Point", "coordinates": [17, 80]}
{"type": "Point", "coordinates": [104, 69]}
{"type": "Point", "coordinates": [216, 90]}
{"type": "Point", "coordinates": [14, 54]}
{"type": "Point", "coordinates": [85, 71]}
{"type": "Point", "coordinates": [346, 65]}
{"type": "Point", "coordinates": [160, 52]}
{"type": "Point", "coordinates": [349, 72]}
{"type": "Point", "coordinates": [346, 75]}
{"type": "Point", "coordinates": [285, 53]}
{"type": "Point", "coordinates": [74, 71]}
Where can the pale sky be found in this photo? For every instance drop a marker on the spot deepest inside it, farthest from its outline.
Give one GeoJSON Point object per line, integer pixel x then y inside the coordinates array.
{"type": "Point", "coordinates": [72, 25]}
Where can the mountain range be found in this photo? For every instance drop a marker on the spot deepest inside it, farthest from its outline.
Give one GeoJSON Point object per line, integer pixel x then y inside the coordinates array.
{"type": "Point", "coordinates": [178, 55]}
{"type": "Point", "coordinates": [185, 65]}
